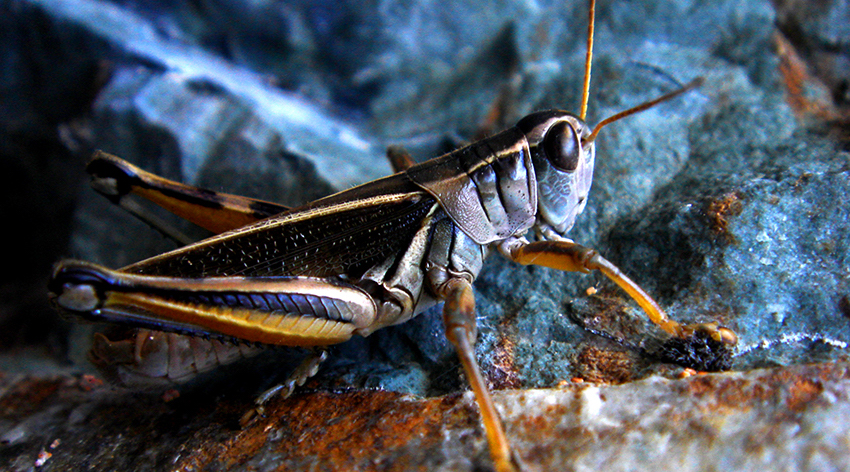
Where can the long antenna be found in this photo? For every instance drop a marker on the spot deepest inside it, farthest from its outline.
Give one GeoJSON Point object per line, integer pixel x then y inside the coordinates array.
{"type": "Point", "coordinates": [643, 106]}
{"type": "Point", "coordinates": [588, 59]}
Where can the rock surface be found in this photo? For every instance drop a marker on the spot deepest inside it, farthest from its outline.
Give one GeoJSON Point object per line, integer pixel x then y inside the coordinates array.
{"type": "Point", "coordinates": [726, 204]}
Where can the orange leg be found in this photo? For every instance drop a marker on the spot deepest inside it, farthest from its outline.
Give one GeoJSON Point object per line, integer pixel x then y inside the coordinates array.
{"type": "Point", "coordinates": [459, 318]}
{"type": "Point", "coordinates": [569, 256]}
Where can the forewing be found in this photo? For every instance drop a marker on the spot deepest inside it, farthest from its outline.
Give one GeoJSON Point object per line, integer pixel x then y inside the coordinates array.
{"type": "Point", "coordinates": [343, 238]}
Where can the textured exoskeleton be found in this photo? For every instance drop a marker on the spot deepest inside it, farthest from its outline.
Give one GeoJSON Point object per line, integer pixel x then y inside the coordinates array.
{"type": "Point", "coordinates": [365, 258]}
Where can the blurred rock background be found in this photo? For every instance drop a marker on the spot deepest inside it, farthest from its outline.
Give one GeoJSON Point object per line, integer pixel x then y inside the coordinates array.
{"type": "Point", "coordinates": [727, 204]}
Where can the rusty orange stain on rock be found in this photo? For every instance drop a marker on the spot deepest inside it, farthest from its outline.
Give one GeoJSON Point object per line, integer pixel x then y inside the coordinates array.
{"type": "Point", "coordinates": [801, 393]}
{"type": "Point", "coordinates": [369, 430]}
{"type": "Point", "coordinates": [342, 429]}
{"type": "Point", "coordinates": [604, 365]}
{"type": "Point", "coordinates": [502, 371]}
{"type": "Point", "coordinates": [797, 385]}
{"type": "Point", "coordinates": [28, 395]}
{"type": "Point", "coordinates": [813, 96]}
{"type": "Point", "coordinates": [719, 211]}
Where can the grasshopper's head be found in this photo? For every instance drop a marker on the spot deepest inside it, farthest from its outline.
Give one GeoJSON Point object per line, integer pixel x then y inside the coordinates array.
{"type": "Point", "coordinates": [562, 151]}
{"type": "Point", "coordinates": [563, 159]}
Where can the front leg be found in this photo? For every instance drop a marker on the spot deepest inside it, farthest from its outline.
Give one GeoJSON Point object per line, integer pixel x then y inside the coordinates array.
{"type": "Point", "coordinates": [569, 256]}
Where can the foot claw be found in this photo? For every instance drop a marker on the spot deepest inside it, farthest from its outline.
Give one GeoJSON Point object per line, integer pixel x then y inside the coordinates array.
{"type": "Point", "coordinates": [702, 347]}
{"type": "Point", "coordinates": [720, 334]}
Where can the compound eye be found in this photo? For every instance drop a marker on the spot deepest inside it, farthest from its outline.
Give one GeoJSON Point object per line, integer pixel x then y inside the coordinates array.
{"type": "Point", "coordinates": [562, 146]}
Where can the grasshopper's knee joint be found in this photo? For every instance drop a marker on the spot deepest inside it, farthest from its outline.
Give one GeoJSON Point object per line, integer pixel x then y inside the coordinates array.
{"type": "Point", "coordinates": [590, 259]}
{"type": "Point", "coordinates": [76, 286]}
{"type": "Point", "coordinates": [81, 298]}
{"type": "Point", "coordinates": [459, 310]}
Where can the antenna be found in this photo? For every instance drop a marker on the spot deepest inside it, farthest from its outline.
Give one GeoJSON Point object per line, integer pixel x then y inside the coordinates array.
{"type": "Point", "coordinates": [588, 59]}
{"type": "Point", "coordinates": [585, 93]}
{"type": "Point", "coordinates": [643, 106]}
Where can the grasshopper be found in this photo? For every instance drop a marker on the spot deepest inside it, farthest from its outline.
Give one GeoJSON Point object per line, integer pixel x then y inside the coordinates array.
{"type": "Point", "coordinates": [369, 257]}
